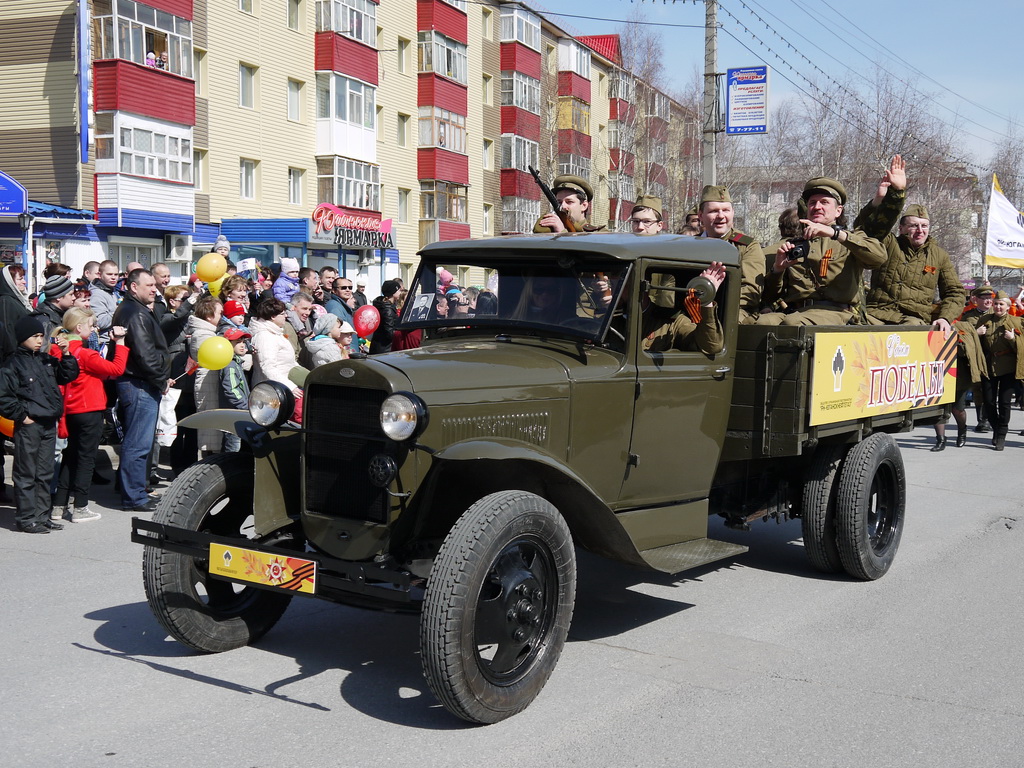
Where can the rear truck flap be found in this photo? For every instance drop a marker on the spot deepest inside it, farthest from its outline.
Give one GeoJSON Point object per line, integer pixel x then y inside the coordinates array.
{"type": "Point", "coordinates": [797, 385]}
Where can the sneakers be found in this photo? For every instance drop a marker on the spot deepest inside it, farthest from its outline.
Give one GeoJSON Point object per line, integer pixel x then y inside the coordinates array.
{"type": "Point", "coordinates": [82, 515]}
{"type": "Point", "coordinates": [57, 513]}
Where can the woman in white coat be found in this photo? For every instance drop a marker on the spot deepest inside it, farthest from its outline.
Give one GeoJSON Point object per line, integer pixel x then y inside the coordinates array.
{"type": "Point", "coordinates": [274, 354]}
{"type": "Point", "coordinates": [202, 325]}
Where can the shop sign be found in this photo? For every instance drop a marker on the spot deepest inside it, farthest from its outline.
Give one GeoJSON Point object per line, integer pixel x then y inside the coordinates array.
{"type": "Point", "coordinates": [13, 198]}
{"type": "Point", "coordinates": [337, 226]}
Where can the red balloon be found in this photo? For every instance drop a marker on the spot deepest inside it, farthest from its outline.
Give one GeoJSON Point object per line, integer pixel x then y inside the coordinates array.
{"type": "Point", "coordinates": [366, 319]}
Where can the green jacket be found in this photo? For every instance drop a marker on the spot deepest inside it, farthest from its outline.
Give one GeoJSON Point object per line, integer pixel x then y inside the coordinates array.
{"type": "Point", "coordinates": [1003, 356]}
{"type": "Point", "coordinates": [844, 265]}
{"type": "Point", "coordinates": [752, 271]}
{"type": "Point", "coordinates": [904, 286]}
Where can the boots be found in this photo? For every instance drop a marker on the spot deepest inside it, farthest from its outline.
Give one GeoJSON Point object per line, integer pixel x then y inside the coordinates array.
{"type": "Point", "coordinates": [998, 443]}
{"type": "Point", "coordinates": [961, 437]}
{"type": "Point", "coordinates": [940, 444]}
{"type": "Point", "coordinates": [983, 426]}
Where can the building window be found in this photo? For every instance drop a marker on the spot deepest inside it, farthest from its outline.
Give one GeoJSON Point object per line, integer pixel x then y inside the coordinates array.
{"type": "Point", "coordinates": [245, 6]}
{"type": "Point", "coordinates": [622, 86]}
{"type": "Point", "coordinates": [443, 200]}
{"type": "Point", "coordinates": [295, 15]}
{"type": "Point", "coordinates": [573, 57]}
{"type": "Point", "coordinates": [132, 31]}
{"type": "Point", "coordinates": [659, 105]}
{"type": "Point", "coordinates": [621, 186]}
{"type": "Point", "coordinates": [294, 100]}
{"type": "Point", "coordinates": [621, 135]}
{"type": "Point", "coordinates": [573, 114]}
{"type": "Point", "coordinates": [199, 70]}
{"type": "Point", "coordinates": [574, 165]}
{"type": "Point", "coordinates": [403, 130]}
{"type": "Point", "coordinates": [246, 86]}
{"type": "Point", "coordinates": [443, 56]}
{"type": "Point", "coordinates": [342, 98]}
{"type": "Point", "coordinates": [403, 206]}
{"type": "Point", "coordinates": [157, 155]}
{"type": "Point", "coordinates": [519, 25]}
{"type": "Point", "coordinates": [126, 254]}
{"type": "Point", "coordinates": [519, 90]}
{"type": "Point", "coordinates": [488, 215]}
{"type": "Point", "coordinates": [348, 182]}
{"type": "Point", "coordinates": [441, 128]}
{"type": "Point", "coordinates": [403, 55]}
{"type": "Point", "coordinates": [460, 4]}
{"type": "Point", "coordinates": [487, 23]}
{"type": "Point", "coordinates": [247, 179]}
{"type": "Point", "coordinates": [519, 153]}
{"type": "Point", "coordinates": [519, 214]}
{"type": "Point", "coordinates": [295, 176]}
{"type": "Point", "coordinates": [488, 154]}
{"type": "Point", "coordinates": [356, 19]}
{"type": "Point", "coordinates": [200, 172]}
{"type": "Point", "coordinates": [487, 88]}
{"type": "Point", "coordinates": [103, 129]}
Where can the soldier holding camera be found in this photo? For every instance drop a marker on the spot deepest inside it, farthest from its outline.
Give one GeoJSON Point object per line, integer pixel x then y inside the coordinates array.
{"type": "Point", "coordinates": [815, 279]}
{"type": "Point", "coordinates": [902, 290]}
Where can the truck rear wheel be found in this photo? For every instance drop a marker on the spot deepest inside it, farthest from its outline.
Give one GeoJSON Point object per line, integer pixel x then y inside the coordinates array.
{"type": "Point", "coordinates": [871, 506]}
{"type": "Point", "coordinates": [819, 509]}
{"type": "Point", "coordinates": [497, 606]}
{"type": "Point", "coordinates": [210, 615]}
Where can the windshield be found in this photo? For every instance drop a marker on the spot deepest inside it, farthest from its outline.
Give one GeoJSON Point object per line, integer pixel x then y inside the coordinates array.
{"type": "Point", "coordinates": [566, 294]}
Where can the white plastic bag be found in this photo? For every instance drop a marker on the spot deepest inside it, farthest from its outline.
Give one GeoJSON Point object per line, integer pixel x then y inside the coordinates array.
{"type": "Point", "coordinates": [166, 421]}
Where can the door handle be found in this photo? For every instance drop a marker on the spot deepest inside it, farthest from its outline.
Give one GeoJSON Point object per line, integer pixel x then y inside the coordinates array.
{"type": "Point", "coordinates": [720, 372]}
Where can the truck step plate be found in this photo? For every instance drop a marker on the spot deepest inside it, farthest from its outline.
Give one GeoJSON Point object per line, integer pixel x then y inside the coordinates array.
{"type": "Point", "coordinates": [268, 570]}
{"type": "Point", "coordinates": [689, 554]}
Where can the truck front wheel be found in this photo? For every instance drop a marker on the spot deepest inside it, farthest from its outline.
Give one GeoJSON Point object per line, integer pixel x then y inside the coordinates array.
{"type": "Point", "coordinates": [870, 506]}
{"type": "Point", "coordinates": [497, 606]}
{"type": "Point", "coordinates": [214, 496]}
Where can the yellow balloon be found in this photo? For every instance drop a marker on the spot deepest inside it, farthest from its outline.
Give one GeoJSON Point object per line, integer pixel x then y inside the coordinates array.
{"type": "Point", "coordinates": [216, 284]}
{"type": "Point", "coordinates": [211, 267]}
{"type": "Point", "coordinates": [215, 353]}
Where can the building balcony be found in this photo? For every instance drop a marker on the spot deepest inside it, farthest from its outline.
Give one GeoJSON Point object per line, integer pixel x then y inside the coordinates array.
{"type": "Point", "coordinates": [124, 86]}
{"type": "Point", "coordinates": [337, 53]}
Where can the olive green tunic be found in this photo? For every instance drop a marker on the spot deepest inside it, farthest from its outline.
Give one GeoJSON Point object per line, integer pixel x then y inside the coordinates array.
{"type": "Point", "coordinates": [903, 288]}
{"type": "Point", "coordinates": [1003, 356]}
{"type": "Point", "coordinates": [682, 334]}
{"type": "Point", "coordinates": [752, 273]}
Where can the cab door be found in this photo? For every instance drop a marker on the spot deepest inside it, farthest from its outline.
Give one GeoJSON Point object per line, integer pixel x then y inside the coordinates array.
{"type": "Point", "coordinates": [681, 401]}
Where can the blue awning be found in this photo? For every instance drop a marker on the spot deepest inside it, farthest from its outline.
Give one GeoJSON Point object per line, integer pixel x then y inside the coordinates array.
{"type": "Point", "coordinates": [48, 211]}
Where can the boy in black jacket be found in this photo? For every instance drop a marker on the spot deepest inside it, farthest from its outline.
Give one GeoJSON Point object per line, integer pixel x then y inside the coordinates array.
{"type": "Point", "coordinates": [30, 398]}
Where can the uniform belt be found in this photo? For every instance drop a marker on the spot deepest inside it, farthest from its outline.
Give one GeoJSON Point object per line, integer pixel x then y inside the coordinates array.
{"type": "Point", "coordinates": [795, 306]}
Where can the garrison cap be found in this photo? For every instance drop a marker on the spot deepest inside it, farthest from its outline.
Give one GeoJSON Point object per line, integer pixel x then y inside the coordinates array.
{"type": "Point", "coordinates": [825, 186]}
{"type": "Point", "coordinates": [984, 290]}
{"type": "Point", "coordinates": [715, 194]}
{"type": "Point", "coordinates": [917, 210]}
{"type": "Point", "coordinates": [695, 211]}
{"type": "Point", "coordinates": [575, 184]}
{"type": "Point", "coordinates": [649, 201]}
{"type": "Point", "coordinates": [1002, 296]}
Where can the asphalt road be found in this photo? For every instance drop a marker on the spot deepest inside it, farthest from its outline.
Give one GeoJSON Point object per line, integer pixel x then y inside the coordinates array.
{"type": "Point", "coordinates": [755, 661]}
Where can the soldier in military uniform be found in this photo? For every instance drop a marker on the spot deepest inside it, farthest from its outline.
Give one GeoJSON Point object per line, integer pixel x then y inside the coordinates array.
{"type": "Point", "coordinates": [575, 196]}
{"type": "Point", "coordinates": [902, 289]}
{"type": "Point", "coordinates": [982, 298]}
{"type": "Point", "coordinates": [646, 216]}
{"type": "Point", "coordinates": [821, 288]}
{"type": "Point", "coordinates": [716, 219]}
{"type": "Point", "coordinates": [682, 332]}
{"type": "Point", "coordinates": [693, 220]}
{"type": "Point", "coordinates": [1003, 345]}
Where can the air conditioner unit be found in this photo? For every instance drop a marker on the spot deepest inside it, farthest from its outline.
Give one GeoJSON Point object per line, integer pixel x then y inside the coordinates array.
{"type": "Point", "coordinates": [178, 247]}
{"type": "Point", "coordinates": [367, 258]}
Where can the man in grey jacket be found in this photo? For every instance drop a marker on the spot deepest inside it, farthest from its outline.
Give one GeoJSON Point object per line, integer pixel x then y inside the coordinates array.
{"type": "Point", "coordinates": [105, 298]}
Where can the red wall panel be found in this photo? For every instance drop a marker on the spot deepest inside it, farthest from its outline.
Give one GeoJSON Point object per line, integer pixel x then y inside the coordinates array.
{"type": "Point", "coordinates": [518, 58]}
{"type": "Point", "coordinates": [520, 122]}
{"type": "Point", "coordinates": [516, 183]}
{"type": "Point", "coordinates": [347, 57]}
{"type": "Point", "coordinates": [618, 109]}
{"type": "Point", "coordinates": [182, 8]}
{"type": "Point", "coordinates": [129, 87]}
{"type": "Point", "coordinates": [573, 142]}
{"type": "Point", "coordinates": [624, 208]}
{"type": "Point", "coordinates": [450, 230]}
{"type": "Point", "coordinates": [434, 163]}
{"type": "Point", "coordinates": [571, 84]}
{"type": "Point", "coordinates": [443, 18]}
{"type": "Point", "coordinates": [438, 91]}
{"type": "Point", "coordinates": [621, 160]}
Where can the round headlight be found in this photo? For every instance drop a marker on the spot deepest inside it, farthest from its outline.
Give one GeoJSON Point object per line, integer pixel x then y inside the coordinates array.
{"type": "Point", "coordinates": [271, 404]}
{"type": "Point", "coordinates": [403, 416]}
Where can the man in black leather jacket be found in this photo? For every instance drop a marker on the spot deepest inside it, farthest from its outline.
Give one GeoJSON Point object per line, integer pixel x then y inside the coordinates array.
{"type": "Point", "coordinates": [140, 389]}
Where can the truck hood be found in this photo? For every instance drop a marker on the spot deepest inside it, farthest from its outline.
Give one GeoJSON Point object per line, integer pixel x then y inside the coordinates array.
{"type": "Point", "coordinates": [464, 371]}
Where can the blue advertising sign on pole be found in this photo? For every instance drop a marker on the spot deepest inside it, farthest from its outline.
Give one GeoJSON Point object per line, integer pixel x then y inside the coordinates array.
{"type": "Point", "coordinates": [746, 100]}
{"type": "Point", "coordinates": [13, 198]}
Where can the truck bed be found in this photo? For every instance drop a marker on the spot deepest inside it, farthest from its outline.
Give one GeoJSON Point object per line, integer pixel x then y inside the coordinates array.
{"type": "Point", "coordinates": [771, 403]}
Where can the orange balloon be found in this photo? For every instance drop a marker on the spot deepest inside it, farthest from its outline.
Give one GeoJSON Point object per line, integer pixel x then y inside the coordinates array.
{"type": "Point", "coordinates": [6, 427]}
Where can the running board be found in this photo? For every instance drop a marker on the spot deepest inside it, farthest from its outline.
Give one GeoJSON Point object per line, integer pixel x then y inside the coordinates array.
{"type": "Point", "coordinates": [676, 558]}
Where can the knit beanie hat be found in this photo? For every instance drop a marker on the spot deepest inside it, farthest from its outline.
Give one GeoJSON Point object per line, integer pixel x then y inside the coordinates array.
{"type": "Point", "coordinates": [56, 287]}
{"type": "Point", "coordinates": [27, 326]}
{"type": "Point", "coordinates": [325, 324]}
{"type": "Point", "coordinates": [233, 309]}
{"type": "Point", "coordinates": [289, 265]}
{"type": "Point", "coordinates": [222, 242]}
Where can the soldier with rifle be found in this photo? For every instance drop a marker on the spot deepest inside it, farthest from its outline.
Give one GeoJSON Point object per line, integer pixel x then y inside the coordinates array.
{"type": "Point", "coordinates": [570, 198]}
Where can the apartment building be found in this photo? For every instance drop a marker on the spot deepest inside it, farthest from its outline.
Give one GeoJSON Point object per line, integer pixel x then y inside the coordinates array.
{"type": "Point", "coordinates": [339, 132]}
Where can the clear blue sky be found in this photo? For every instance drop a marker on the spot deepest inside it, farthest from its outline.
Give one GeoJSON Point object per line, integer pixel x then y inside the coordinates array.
{"type": "Point", "coordinates": [972, 51]}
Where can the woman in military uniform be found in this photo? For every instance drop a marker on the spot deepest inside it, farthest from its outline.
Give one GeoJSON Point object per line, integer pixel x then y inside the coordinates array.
{"type": "Point", "coordinates": [1003, 346]}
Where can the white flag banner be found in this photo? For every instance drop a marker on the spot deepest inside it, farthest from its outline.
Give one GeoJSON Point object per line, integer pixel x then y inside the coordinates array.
{"type": "Point", "coordinates": [246, 265]}
{"type": "Point", "coordinates": [1004, 243]}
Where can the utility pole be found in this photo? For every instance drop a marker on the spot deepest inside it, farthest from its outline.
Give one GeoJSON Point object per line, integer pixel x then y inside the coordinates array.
{"type": "Point", "coordinates": [710, 136]}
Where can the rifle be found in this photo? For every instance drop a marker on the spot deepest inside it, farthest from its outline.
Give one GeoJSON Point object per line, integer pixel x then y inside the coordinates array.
{"type": "Point", "coordinates": [569, 224]}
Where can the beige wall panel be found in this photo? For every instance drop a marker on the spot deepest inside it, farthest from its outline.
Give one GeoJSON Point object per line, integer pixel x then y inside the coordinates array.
{"type": "Point", "coordinates": [44, 161]}
{"type": "Point", "coordinates": [397, 93]}
{"type": "Point", "coordinates": [37, 39]}
{"type": "Point", "coordinates": [23, 9]}
{"type": "Point", "coordinates": [27, 105]}
{"type": "Point", "coordinates": [263, 134]}
{"type": "Point", "coordinates": [599, 156]}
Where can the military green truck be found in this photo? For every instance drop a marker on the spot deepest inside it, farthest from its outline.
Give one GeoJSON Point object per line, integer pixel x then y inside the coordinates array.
{"type": "Point", "coordinates": [456, 479]}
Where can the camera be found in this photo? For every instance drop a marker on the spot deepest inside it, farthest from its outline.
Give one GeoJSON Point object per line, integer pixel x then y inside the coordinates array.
{"type": "Point", "coordinates": [801, 249]}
